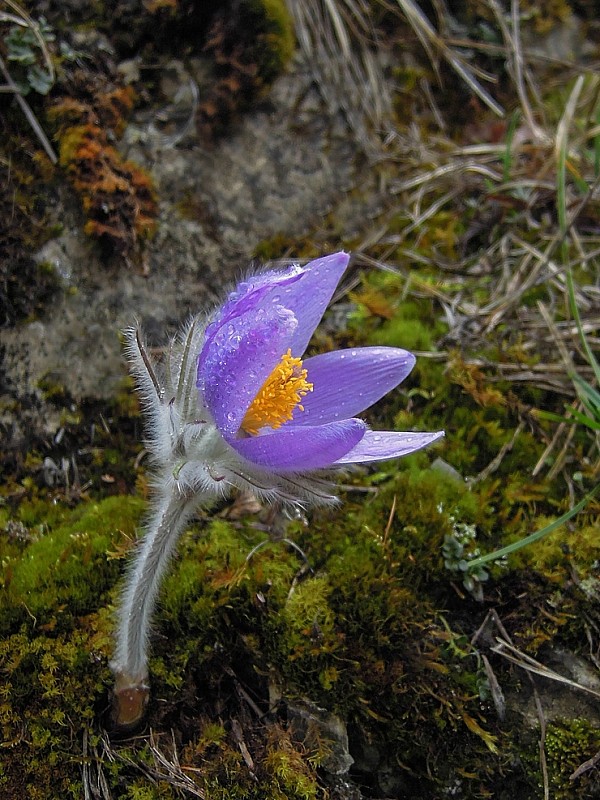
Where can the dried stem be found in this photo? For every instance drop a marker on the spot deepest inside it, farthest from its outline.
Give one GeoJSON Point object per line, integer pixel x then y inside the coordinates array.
{"type": "Point", "coordinates": [26, 109]}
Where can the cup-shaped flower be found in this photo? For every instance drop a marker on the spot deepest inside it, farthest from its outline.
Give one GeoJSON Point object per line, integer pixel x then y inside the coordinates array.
{"type": "Point", "coordinates": [233, 405]}
{"type": "Point", "coordinates": [284, 415]}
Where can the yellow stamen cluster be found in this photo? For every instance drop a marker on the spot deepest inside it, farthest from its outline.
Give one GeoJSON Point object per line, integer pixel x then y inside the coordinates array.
{"type": "Point", "coordinates": [279, 395]}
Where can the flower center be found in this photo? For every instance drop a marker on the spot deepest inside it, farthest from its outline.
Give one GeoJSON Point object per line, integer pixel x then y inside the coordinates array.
{"type": "Point", "coordinates": [279, 395]}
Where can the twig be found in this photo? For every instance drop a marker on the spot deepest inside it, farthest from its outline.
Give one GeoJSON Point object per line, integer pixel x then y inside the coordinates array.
{"type": "Point", "coordinates": [585, 767]}
{"type": "Point", "coordinates": [31, 118]}
{"type": "Point", "coordinates": [495, 462]}
{"type": "Point", "coordinates": [493, 617]}
{"type": "Point", "coordinates": [526, 662]}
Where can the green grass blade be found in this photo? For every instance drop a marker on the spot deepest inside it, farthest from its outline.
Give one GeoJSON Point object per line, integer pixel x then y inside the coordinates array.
{"type": "Point", "coordinates": [587, 394]}
{"type": "Point", "coordinates": [584, 419]}
{"type": "Point", "coordinates": [552, 417]}
{"type": "Point", "coordinates": [575, 311]}
{"type": "Point", "coordinates": [533, 537]}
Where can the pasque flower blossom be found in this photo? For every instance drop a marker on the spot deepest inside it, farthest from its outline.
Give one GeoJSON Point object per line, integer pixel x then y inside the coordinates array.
{"type": "Point", "coordinates": [233, 405]}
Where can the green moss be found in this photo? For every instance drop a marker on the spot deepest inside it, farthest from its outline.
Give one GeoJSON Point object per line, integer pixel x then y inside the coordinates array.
{"type": "Point", "coordinates": [143, 790]}
{"type": "Point", "coordinates": [385, 315]}
{"type": "Point", "coordinates": [67, 568]}
{"type": "Point", "coordinates": [356, 636]}
{"type": "Point", "coordinates": [291, 776]}
{"type": "Point", "coordinates": [405, 330]}
{"type": "Point", "coordinates": [51, 685]}
{"type": "Point", "coordinates": [361, 636]}
{"type": "Point", "coordinates": [563, 550]}
{"type": "Point", "coordinates": [273, 33]}
{"type": "Point", "coordinates": [568, 744]}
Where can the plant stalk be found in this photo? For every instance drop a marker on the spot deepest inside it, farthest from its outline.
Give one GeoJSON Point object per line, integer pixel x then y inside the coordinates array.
{"type": "Point", "coordinates": [130, 664]}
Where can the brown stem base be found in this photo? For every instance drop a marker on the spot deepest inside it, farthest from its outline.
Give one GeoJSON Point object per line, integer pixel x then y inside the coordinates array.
{"type": "Point", "coordinates": [129, 703]}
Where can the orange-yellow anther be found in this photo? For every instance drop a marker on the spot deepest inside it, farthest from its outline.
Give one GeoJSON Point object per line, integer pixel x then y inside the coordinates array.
{"type": "Point", "coordinates": [279, 396]}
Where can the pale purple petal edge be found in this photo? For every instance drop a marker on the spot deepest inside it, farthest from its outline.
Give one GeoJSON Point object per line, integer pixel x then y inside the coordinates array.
{"type": "Point", "coordinates": [383, 445]}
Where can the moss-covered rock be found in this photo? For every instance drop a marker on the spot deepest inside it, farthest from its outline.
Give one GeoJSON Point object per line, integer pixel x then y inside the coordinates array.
{"type": "Point", "coordinates": [56, 638]}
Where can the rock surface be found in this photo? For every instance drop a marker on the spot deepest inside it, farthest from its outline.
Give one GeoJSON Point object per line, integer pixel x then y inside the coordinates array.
{"type": "Point", "coordinates": [271, 176]}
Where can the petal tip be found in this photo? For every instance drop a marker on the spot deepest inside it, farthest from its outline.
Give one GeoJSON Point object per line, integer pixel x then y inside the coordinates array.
{"type": "Point", "coordinates": [338, 260]}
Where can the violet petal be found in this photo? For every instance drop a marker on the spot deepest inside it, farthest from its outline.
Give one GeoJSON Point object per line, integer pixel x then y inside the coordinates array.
{"type": "Point", "coordinates": [237, 361]}
{"type": "Point", "coordinates": [249, 295]}
{"type": "Point", "coordinates": [309, 297]}
{"type": "Point", "coordinates": [382, 445]}
{"type": "Point", "coordinates": [299, 449]}
{"type": "Point", "coordinates": [346, 382]}
{"type": "Point", "coordinates": [306, 291]}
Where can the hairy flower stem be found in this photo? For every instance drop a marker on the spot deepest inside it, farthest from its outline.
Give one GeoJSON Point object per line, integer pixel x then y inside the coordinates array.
{"type": "Point", "coordinates": [130, 664]}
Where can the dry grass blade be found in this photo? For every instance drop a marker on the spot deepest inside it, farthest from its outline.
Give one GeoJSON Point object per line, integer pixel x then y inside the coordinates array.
{"type": "Point", "coordinates": [560, 460]}
{"type": "Point", "coordinates": [492, 619]}
{"type": "Point", "coordinates": [454, 168]}
{"type": "Point", "coordinates": [169, 769]}
{"type": "Point", "coordinates": [520, 659]}
{"type": "Point", "coordinates": [497, 461]}
{"type": "Point", "coordinates": [585, 767]}
{"type": "Point", "coordinates": [433, 43]}
{"type": "Point", "coordinates": [562, 130]}
{"type": "Point", "coordinates": [166, 768]}
{"type": "Point", "coordinates": [521, 75]}
{"type": "Point", "coordinates": [26, 109]}
{"type": "Point", "coordinates": [336, 37]}
{"type": "Point", "coordinates": [95, 785]}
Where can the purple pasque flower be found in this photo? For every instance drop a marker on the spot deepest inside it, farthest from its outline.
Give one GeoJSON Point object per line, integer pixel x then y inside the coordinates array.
{"type": "Point", "coordinates": [280, 414]}
{"type": "Point", "coordinates": [233, 405]}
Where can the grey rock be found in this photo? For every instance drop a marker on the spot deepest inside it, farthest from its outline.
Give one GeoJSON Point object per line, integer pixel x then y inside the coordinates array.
{"type": "Point", "coordinates": [268, 177]}
{"type": "Point", "coordinates": [311, 723]}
